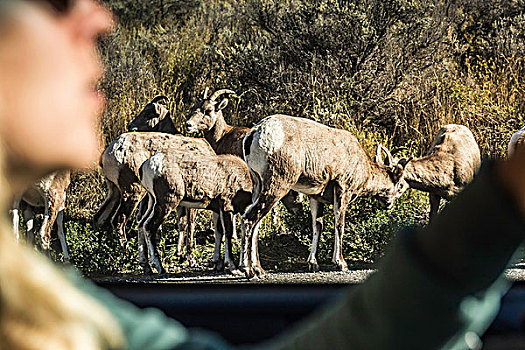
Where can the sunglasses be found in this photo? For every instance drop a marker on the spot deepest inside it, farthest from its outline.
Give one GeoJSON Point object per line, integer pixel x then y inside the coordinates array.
{"type": "Point", "coordinates": [61, 6]}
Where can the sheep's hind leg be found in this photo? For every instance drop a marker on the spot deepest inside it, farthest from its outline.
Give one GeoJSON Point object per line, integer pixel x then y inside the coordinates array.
{"type": "Point", "coordinates": [341, 200]}
{"type": "Point", "coordinates": [217, 262]}
{"type": "Point", "coordinates": [191, 218]}
{"type": "Point", "coordinates": [316, 209]}
{"type": "Point", "coordinates": [62, 234]}
{"type": "Point", "coordinates": [226, 219]}
{"type": "Point", "coordinates": [146, 206]}
{"type": "Point", "coordinates": [150, 227]}
{"type": "Point", "coordinates": [271, 193]}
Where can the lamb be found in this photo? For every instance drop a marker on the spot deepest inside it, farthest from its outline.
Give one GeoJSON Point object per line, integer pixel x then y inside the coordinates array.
{"type": "Point", "coordinates": [327, 164]}
{"type": "Point", "coordinates": [517, 140]}
{"type": "Point", "coordinates": [207, 116]}
{"type": "Point", "coordinates": [120, 164]}
{"type": "Point", "coordinates": [48, 193]}
{"type": "Point", "coordinates": [450, 164]}
{"type": "Point", "coordinates": [220, 183]}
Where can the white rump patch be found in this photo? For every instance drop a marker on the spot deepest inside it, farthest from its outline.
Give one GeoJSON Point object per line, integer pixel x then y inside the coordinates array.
{"type": "Point", "coordinates": [120, 148]}
{"type": "Point", "coordinates": [267, 140]}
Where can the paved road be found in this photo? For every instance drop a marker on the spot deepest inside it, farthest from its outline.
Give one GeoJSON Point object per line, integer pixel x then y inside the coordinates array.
{"type": "Point", "coordinates": [517, 273]}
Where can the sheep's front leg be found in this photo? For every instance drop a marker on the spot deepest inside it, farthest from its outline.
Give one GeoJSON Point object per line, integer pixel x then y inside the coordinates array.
{"type": "Point", "coordinates": [29, 218]}
{"type": "Point", "coordinates": [251, 220]}
{"type": "Point", "coordinates": [316, 209]}
{"type": "Point", "coordinates": [191, 218]}
{"type": "Point", "coordinates": [149, 228]}
{"type": "Point", "coordinates": [341, 200]}
{"type": "Point", "coordinates": [16, 218]}
{"type": "Point", "coordinates": [226, 219]}
{"type": "Point", "coordinates": [145, 207]}
{"type": "Point", "coordinates": [434, 205]}
{"type": "Point", "coordinates": [50, 214]}
{"type": "Point", "coordinates": [219, 232]}
{"type": "Point", "coordinates": [182, 228]}
{"type": "Point", "coordinates": [62, 234]}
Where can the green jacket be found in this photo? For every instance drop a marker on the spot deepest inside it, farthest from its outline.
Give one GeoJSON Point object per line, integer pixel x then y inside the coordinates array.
{"type": "Point", "coordinates": [439, 287]}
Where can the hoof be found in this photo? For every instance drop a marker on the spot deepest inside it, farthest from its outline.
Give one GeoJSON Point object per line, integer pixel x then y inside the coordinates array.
{"type": "Point", "coordinates": [313, 267]}
{"type": "Point", "coordinates": [230, 267]}
{"type": "Point", "coordinates": [218, 266]}
{"type": "Point", "coordinates": [343, 267]}
{"type": "Point", "coordinates": [147, 270]}
{"type": "Point", "coordinates": [192, 262]}
{"type": "Point", "coordinates": [160, 270]}
{"type": "Point", "coordinates": [259, 271]}
{"type": "Point", "coordinates": [254, 273]}
{"type": "Point", "coordinates": [249, 273]}
{"type": "Point", "coordinates": [236, 272]}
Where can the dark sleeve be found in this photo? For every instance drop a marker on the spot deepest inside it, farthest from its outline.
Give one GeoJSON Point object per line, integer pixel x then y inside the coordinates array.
{"type": "Point", "coordinates": [439, 287]}
{"type": "Point", "coordinates": [149, 328]}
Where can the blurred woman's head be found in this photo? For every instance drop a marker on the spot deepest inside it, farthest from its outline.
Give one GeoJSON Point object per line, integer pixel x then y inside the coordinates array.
{"type": "Point", "coordinates": [49, 106]}
{"type": "Point", "coordinates": [49, 69]}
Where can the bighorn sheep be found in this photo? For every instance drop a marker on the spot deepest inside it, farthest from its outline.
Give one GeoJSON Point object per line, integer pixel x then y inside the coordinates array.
{"type": "Point", "coordinates": [517, 140]}
{"type": "Point", "coordinates": [329, 165]}
{"type": "Point", "coordinates": [121, 162]}
{"type": "Point", "coordinates": [221, 183]}
{"type": "Point", "coordinates": [450, 164]}
{"type": "Point", "coordinates": [207, 116]}
{"type": "Point", "coordinates": [48, 193]}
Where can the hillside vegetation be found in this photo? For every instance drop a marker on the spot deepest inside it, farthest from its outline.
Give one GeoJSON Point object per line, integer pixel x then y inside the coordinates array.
{"type": "Point", "coordinates": [390, 71]}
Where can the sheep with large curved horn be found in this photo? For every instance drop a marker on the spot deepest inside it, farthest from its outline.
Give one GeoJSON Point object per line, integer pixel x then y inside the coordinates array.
{"type": "Point", "coordinates": [220, 92]}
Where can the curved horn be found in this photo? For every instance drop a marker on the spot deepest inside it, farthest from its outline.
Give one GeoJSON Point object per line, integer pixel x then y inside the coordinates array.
{"type": "Point", "coordinates": [206, 93]}
{"type": "Point", "coordinates": [388, 155]}
{"type": "Point", "coordinates": [159, 98]}
{"type": "Point", "coordinates": [217, 93]}
{"type": "Point", "coordinates": [379, 157]}
{"type": "Point", "coordinates": [404, 161]}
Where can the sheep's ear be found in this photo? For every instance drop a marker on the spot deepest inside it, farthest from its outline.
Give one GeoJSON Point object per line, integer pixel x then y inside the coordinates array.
{"type": "Point", "coordinates": [161, 110]}
{"type": "Point", "coordinates": [404, 161]}
{"type": "Point", "coordinates": [206, 93]}
{"type": "Point", "coordinates": [223, 104]}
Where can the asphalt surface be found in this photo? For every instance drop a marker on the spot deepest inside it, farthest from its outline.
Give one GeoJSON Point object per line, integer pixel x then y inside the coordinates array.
{"type": "Point", "coordinates": [516, 273]}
